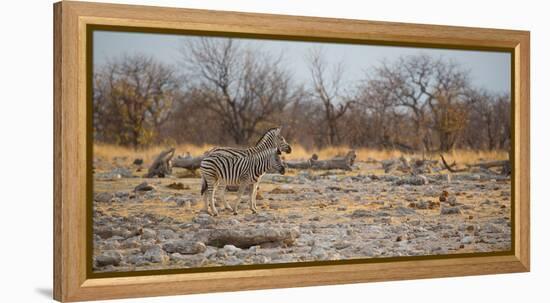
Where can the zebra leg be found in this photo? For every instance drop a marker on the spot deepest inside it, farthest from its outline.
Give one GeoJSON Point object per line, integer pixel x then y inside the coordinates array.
{"type": "Point", "coordinates": [238, 200]}
{"type": "Point", "coordinates": [222, 189]}
{"type": "Point", "coordinates": [252, 202]}
{"type": "Point", "coordinates": [213, 201]}
{"type": "Point", "coordinates": [206, 197]}
{"type": "Point", "coordinates": [205, 200]}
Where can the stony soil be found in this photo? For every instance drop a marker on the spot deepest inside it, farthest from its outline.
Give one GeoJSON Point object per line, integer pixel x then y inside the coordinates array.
{"type": "Point", "coordinates": [303, 216]}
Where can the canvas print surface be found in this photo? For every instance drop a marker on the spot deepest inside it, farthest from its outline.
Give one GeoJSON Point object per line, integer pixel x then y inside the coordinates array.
{"type": "Point", "coordinates": [220, 152]}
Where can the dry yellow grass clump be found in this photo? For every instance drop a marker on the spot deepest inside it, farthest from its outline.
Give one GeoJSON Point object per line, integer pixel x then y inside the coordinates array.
{"type": "Point", "coordinates": [461, 156]}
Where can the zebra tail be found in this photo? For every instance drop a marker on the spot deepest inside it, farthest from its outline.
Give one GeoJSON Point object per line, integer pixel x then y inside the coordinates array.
{"type": "Point", "coordinates": [204, 186]}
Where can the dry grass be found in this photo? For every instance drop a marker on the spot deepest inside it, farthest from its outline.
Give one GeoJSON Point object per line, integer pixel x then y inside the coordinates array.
{"type": "Point", "coordinates": [107, 151]}
{"type": "Point", "coordinates": [298, 152]}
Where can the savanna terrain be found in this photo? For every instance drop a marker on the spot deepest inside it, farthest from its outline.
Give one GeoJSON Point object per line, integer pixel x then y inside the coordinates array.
{"type": "Point", "coordinates": [388, 205]}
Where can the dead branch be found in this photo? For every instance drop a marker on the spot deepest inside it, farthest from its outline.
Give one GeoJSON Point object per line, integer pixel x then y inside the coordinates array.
{"type": "Point", "coordinates": [450, 167]}
{"type": "Point", "coordinates": [504, 164]}
{"type": "Point", "coordinates": [162, 165]}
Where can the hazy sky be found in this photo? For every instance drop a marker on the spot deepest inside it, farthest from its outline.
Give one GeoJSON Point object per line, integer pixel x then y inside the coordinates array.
{"type": "Point", "coordinates": [489, 70]}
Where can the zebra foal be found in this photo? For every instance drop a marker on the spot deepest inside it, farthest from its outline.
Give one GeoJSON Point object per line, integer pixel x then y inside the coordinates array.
{"type": "Point", "coordinates": [227, 168]}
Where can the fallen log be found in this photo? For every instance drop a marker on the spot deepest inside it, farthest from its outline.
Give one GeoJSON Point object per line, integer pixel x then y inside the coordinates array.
{"type": "Point", "coordinates": [490, 164]}
{"type": "Point", "coordinates": [162, 166]}
{"type": "Point", "coordinates": [503, 164]}
{"type": "Point", "coordinates": [344, 163]}
{"type": "Point", "coordinates": [301, 164]}
{"type": "Point", "coordinates": [245, 238]}
{"type": "Point", "coordinates": [188, 162]}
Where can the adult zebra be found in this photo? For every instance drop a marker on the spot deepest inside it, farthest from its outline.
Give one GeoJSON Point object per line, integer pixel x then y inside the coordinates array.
{"type": "Point", "coordinates": [272, 138]}
{"type": "Point", "coordinates": [235, 168]}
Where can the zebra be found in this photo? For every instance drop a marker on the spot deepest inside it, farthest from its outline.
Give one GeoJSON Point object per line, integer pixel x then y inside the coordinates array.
{"type": "Point", "coordinates": [272, 138]}
{"type": "Point", "coordinates": [226, 168]}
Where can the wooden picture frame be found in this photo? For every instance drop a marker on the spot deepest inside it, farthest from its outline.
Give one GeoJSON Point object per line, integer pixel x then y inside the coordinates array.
{"type": "Point", "coordinates": [72, 281]}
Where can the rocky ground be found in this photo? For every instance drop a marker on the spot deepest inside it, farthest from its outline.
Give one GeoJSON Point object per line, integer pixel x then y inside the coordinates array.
{"type": "Point", "coordinates": [143, 224]}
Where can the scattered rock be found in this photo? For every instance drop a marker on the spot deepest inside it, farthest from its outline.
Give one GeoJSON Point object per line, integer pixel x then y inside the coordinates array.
{"type": "Point", "coordinates": [361, 213]}
{"type": "Point", "coordinates": [467, 240]}
{"type": "Point", "coordinates": [164, 234]}
{"type": "Point", "coordinates": [155, 254]}
{"type": "Point", "coordinates": [147, 233]}
{"type": "Point", "coordinates": [144, 187]}
{"type": "Point", "coordinates": [203, 219]}
{"type": "Point", "coordinates": [104, 232]}
{"type": "Point", "coordinates": [403, 211]}
{"type": "Point", "coordinates": [232, 261]}
{"type": "Point", "coordinates": [123, 172]}
{"type": "Point", "coordinates": [450, 211]}
{"type": "Point", "coordinates": [285, 189]}
{"type": "Point", "coordinates": [184, 247]}
{"type": "Point", "coordinates": [138, 161]}
{"type": "Point", "coordinates": [178, 186]}
{"type": "Point", "coordinates": [122, 194]}
{"type": "Point", "coordinates": [185, 201]}
{"type": "Point", "coordinates": [451, 200]}
{"type": "Point", "coordinates": [233, 222]}
{"type": "Point", "coordinates": [318, 253]}
{"type": "Point", "coordinates": [424, 205]}
{"type": "Point", "coordinates": [103, 197]}
{"type": "Point", "coordinates": [412, 180]}
{"type": "Point", "coordinates": [231, 249]}
{"type": "Point", "coordinates": [107, 176]}
{"type": "Point", "coordinates": [108, 258]}
{"type": "Point", "coordinates": [342, 244]}
{"type": "Point", "coordinates": [137, 259]}
{"type": "Point", "coordinates": [491, 228]}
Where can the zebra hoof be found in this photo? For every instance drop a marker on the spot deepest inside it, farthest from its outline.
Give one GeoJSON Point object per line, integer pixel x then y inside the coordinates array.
{"type": "Point", "coordinates": [235, 213]}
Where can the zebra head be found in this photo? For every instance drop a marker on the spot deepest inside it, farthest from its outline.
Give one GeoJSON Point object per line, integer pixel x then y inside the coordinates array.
{"type": "Point", "coordinates": [273, 139]}
{"type": "Point", "coordinates": [276, 163]}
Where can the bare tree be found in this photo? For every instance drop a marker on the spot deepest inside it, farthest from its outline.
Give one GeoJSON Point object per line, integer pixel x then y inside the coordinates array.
{"type": "Point", "coordinates": [432, 91]}
{"type": "Point", "coordinates": [244, 87]}
{"type": "Point", "coordinates": [133, 98]}
{"type": "Point", "coordinates": [388, 125]}
{"type": "Point", "coordinates": [489, 120]}
{"type": "Point", "coordinates": [327, 90]}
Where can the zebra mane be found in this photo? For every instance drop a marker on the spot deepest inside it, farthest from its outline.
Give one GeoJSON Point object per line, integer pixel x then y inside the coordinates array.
{"type": "Point", "coordinates": [265, 134]}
